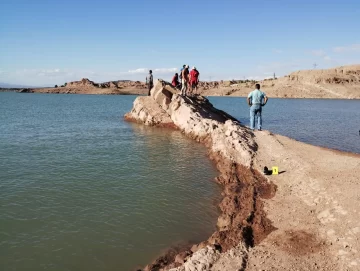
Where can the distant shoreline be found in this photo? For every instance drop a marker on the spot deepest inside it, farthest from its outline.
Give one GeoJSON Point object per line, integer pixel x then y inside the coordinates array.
{"type": "Point", "coordinates": [144, 93]}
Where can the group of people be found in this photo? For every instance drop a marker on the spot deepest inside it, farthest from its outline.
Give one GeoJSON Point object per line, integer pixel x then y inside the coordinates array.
{"type": "Point", "coordinates": [188, 83]}
{"type": "Point", "coordinates": [189, 80]}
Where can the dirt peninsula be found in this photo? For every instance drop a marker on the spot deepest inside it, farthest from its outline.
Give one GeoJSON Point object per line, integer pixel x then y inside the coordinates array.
{"type": "Point", "coordinates": [306, 218]}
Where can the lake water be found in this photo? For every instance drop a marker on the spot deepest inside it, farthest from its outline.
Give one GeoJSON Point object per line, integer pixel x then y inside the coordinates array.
{"type": "Point", "coordinates": [328, 123]}
{"type": "Point", "coordinates": [80, 189]}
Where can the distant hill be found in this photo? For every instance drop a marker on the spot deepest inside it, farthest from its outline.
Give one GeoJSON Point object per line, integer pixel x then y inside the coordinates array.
{"type": "Point", "coordinates": [336, 83]}
{"type": "Point", "coordinates": [86, 86]}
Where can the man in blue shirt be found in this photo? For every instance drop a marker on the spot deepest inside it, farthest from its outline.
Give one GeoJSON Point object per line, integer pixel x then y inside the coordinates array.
{"type": "Point", "coordinates": [256, 99]}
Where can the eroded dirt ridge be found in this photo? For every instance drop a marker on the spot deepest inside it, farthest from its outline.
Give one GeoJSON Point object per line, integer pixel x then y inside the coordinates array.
{"type": "Point", "coordinates": [242, 222]}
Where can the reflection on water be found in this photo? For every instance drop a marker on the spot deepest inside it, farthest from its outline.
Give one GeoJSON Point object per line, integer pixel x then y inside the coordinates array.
{"type": "Point", "coordinates": [80, 189]}
{"type": "Point", "coordinates": [328, 123]}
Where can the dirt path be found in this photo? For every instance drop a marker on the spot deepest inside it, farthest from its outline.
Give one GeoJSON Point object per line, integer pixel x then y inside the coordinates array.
{"type": "Point", "coordinates": [316, 208]}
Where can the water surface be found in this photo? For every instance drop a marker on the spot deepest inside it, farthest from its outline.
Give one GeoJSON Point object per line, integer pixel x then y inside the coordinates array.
{"type": "Point", "coordinates": [80, 189]}
{"type": "Point", "coordinates": [328, 123]}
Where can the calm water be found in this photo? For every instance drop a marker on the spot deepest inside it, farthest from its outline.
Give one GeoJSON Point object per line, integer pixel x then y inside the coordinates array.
{"type": "Point", "coordinates": [80, 189]}
{"type": "Point", "coordinates": [328, 123]}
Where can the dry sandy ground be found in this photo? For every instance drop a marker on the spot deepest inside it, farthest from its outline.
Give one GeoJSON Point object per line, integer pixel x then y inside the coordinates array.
{"type": "Point", "coordinates": [316, 209]}
{"type": "Point", "coordinates": [316, 212]}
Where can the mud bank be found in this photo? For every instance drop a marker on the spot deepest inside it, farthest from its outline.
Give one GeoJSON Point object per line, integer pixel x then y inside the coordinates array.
{"type": "Point", "coordinates": [310, 223]}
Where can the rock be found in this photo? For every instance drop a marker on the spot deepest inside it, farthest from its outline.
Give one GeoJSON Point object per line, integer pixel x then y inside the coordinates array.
{"type": "Point", "coordinates": [26, 90]}
{"type": "Point", "coordinates": [181, 257]}
{"type": "Point", "coordinates": [147, 111]}
{"type": "Point", "coordinates": [197, 118]}
{"type": "Point", "coordinates": [113, 85]}
{"type": "Point", "coordinates": [195, 248]}
{"type": "Point", "coordinates": [202, 260]}
{"type": "Point", "coordinates": [162, 93]}
{"type": "Point", "coordinates": [223, 222]}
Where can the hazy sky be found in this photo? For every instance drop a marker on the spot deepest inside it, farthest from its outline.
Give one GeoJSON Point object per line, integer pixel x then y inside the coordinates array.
{"type": "Point", "coordinates": [47, 42]}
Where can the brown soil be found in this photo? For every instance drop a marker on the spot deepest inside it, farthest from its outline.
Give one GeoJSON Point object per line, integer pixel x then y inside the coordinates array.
{"type": "Point", "coordinates": [299, 242]}
{"type": "Point", "coordinates": [242, 216]}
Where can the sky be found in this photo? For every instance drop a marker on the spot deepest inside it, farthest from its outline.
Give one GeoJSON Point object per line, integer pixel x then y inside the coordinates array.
{"type": "Point", "coordinates": [48, 42]}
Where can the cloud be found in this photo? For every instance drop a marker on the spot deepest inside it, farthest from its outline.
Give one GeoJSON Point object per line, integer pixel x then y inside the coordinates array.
{"type": "Point", "coordinates": [318, 52]}
{"type": "Point", "coordinates": [141, 70]}
{"type": "Point", "coordinates": [54, 73]}
{"type": "Point", "coordinates": [277, 51]}
{"type": "Point", "coordinates": [162, 70]}
{"type": "Point", "coordinates": [346, 49]}
{"type": "Point", "coordinates": [322, 54]}
{"type": "Point", "coordinates": [157, 70]}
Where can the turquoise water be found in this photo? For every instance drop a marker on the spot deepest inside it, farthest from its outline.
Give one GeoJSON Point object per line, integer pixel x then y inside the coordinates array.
{"type": "Point", "coordinates": [80, 189]}
{"type": "Point", "coordinates": [327, 123]}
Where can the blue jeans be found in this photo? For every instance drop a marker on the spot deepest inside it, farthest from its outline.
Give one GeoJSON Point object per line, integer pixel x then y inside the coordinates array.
{"type": "Point", "coordinates": [255, 110]}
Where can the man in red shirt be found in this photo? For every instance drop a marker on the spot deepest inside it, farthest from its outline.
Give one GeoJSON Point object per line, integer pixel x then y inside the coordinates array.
{"type": "Point", "coordinates": [194, 79]}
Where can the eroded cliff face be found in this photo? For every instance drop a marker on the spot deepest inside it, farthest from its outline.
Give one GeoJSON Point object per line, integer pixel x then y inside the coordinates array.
{"type": "Point", "coordinates": [196, 117]}
{"type": "Point", "coordinates": [242, 221]}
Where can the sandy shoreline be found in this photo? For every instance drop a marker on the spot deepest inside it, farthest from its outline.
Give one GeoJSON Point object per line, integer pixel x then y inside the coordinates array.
{"type": "Point", "coordinates": [310, 223]}
{"type": "Point", "coordinates": [315, 210]}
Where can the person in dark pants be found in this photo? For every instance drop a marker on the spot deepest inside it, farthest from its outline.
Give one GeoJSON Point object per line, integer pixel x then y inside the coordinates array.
{"type": "Point", "coordinates": [150, 81]}
{"type": "Point", "coordinates": [256, 100]}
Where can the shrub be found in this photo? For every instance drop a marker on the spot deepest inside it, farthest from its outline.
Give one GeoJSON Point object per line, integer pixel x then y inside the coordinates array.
{"type": "Point", "coordinates": [56, 86]}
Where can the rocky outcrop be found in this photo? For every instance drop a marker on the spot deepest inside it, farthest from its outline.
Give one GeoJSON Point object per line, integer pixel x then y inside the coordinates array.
{"type": "Point", "coordinates": [26, 90]}
{"type": "Point", "coordinates": [85, 82]}
{"type": "Point", "coordinates": [82, 82]}
{"type": "Point", "coordinates": [340, 75]}
{"type": "Point", "coordinates": [232, 147]}
{"type": "Point", "coordinates": [86, 86]}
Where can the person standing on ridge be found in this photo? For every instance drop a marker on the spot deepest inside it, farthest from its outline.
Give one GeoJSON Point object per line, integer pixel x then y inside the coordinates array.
{"type": "Point", "coordinates": [181, 70]}
{"type": "Point", "coordinates": [256, 100]}
{"type": "Point", "coordinates": [175, 81]}
{"type": "Point", "coordinates": [184, 80]}
{"type": "Point", "coordinates": [150, 81]}
{"type": "Point", "coordinates": [194, 79]}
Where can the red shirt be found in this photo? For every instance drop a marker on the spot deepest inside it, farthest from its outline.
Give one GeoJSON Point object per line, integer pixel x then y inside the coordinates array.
{"type": "Point", "coordinates": [175, 81]}
{"type": "Point", "coordinates": [194, 75]}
